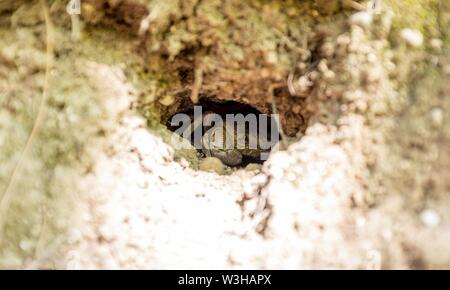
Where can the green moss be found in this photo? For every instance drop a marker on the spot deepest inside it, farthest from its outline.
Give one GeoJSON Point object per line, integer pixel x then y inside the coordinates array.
{"type": "Point", "coordinates": [417, 14]}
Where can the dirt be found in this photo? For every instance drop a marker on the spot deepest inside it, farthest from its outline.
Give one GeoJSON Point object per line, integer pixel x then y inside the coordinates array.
{"type": "Point", "coordinates": [363, 183]}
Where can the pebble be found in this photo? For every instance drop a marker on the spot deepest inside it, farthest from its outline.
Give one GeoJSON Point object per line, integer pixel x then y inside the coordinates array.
{"type": "Point", "coordinates": [430, 218]}
{"type": "Point", "coordinates": [437, 117]}
{"type": "Point", "coordinates": [327, 49]}
{"type": "Point", "coordinates": [412, 37]}
{"type": "Point", "coordinates": [253, 167]}
{"type": "Point", "coordinates": [436, 44]}
{"type": "Point", "coordinates": [212, 164]}
{"type": "Point", "coordinates": [363, 19]}
{"type": "Point", "coordinates": [372, 58]}
{"type": "Point", "coordinates": [26, 245]}
{"type": "Point", "coordinates": [167, 100]}
{"type": "Point", "coordinates": [329, 75]}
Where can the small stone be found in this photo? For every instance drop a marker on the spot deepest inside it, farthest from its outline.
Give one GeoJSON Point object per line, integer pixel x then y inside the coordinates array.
{"type": "Point", "coordinates": [327, 49]}
{"type": "Point", "coordinates": [372, 58]}
{"type": "Point", "coordinates": [362, 19]}
{"type": "Point", "coordinates": [430, 218]}
{"type": "Point", "coordinates": [437, 117]}
{"type": "Point", "coordinates": [272, 57]}
{"type": "Point", "coordinates": [436, 44]}
{"type": "Point", "coordinates": [212, 164]}
{"type": "Point", "coordinates": [322, 66]}
{"type": "Point", "coordinates": [26, 245]}
{"type": "Point", "coordinates": [329, 75]}
{"type": "Point", "coordinates": [302, 85]}
{"type": "Point", "coordinates": [412, 37]}
{"type": "Point", "coordinates": [374, 74]}
{"type": "Point", "coordinates": [253, 167]}
{"type": "Point", "coordinates": [167, 100]}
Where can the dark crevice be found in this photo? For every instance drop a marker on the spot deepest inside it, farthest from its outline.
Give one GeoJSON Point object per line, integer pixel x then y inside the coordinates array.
{"type": "Point", "coordinates": [221, 108]}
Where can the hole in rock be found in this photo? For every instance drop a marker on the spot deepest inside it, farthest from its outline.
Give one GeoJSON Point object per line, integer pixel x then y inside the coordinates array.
{"type": "Point", "coordinates": [236, 133]}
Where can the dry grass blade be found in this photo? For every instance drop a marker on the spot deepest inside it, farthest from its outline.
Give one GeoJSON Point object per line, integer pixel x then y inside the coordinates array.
{"type": "Point", "coordinates": [5, 199]}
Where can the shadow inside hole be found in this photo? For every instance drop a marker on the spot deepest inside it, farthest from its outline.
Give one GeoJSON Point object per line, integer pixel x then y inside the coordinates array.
{"type": "Point", "coordinates": [222, 109]}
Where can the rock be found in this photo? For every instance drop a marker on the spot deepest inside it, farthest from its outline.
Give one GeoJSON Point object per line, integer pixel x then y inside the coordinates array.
{"type": "Point", "coordinates": [26, 245]}
{"type": "Point", "coordinates": [253, 167]}
{"type": "Point", "coordinates": [437, 117]}
{"type": "Point", "coordinates": [327, 49]}
{"type": "Point", "coordinates": [372, 58]}
{"type": "Point", "coordinates": [329, 75]}
{"type": "Point", "coordinates": [363, 19]}
{"type": "Point", "coordinates": [412, 37]}
{"type": "Point", "coordinates": [436, 44]}
{"type": "Point", "coordinates": [212, 164]}
{"type": "Point", "coordinates": [167, 100]}
{"type": "Point", "coordinates": [430, 218]}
